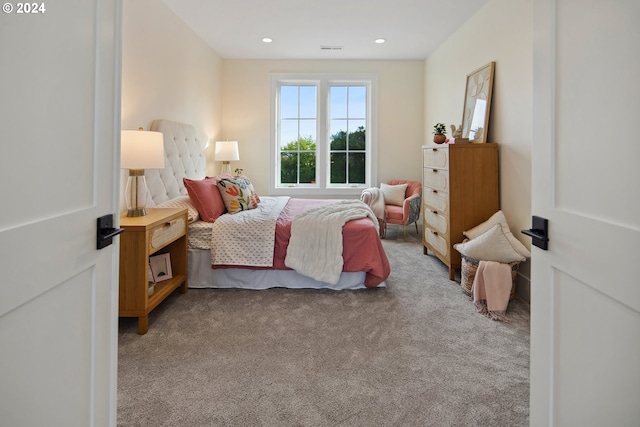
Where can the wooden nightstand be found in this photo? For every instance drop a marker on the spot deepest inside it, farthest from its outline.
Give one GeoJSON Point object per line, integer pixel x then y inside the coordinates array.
{"type": "Point", "coordinates": [161, 231]}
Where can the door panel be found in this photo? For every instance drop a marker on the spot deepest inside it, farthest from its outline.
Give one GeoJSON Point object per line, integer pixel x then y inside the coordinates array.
{"type": "Point", "coordinates": [30, 339]}
{"type": "Point", "coordinates": [586, 334]}
{"type": "Point", "coordinates": [60, 105]}
{"type": "Point", "coordinates": [585, 298]}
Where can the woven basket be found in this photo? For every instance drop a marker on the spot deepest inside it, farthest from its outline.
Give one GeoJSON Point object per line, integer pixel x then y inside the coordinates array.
{"type": "Point", "coordinates": [468, 273]}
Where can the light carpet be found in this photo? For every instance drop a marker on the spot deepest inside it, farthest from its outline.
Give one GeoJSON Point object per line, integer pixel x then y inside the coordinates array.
{"type": "Point", "coordinates": [415, 353]}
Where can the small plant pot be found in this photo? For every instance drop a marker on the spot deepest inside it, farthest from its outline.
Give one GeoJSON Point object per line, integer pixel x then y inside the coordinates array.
{"type": "Point", "coordinates": [439, 138]}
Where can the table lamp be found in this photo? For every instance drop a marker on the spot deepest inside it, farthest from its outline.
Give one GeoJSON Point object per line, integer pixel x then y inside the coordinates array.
{"type": "Point", "coordinates": [227, 151]}
{"type": "Point", "coordinates": [139, 150]}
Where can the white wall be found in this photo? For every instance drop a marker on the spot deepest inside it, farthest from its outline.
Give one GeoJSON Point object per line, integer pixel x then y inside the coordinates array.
{"type": "Point", "coordinates": [168, 72]}
{"type": "Point", "coordinates": [246, 112]}
{"type": "Point", "coordinates": [502, 31]}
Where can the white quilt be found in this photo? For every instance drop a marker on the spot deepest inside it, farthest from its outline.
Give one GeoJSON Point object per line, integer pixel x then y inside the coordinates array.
{"type": "Point", "coordinates": [247, 237]}
{"type": "Point", "coordinates": [315, 247]}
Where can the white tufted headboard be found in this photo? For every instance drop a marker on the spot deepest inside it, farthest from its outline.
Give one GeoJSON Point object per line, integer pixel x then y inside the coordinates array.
{"type": "Point", "coordinates": [184, 157]}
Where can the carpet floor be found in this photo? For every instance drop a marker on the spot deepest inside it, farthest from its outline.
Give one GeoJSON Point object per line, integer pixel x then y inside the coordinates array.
{"type": "Point", "coordinates": [415, 353]}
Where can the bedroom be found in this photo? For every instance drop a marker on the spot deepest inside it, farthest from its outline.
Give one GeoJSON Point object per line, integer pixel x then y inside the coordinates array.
{"type": "Point", "coordinates": [229, 98]}
{"type": "Point", "coordinates": [513, 53]}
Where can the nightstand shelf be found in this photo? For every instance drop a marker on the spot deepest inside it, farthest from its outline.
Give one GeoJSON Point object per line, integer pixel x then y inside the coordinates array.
{"type": "Point", "coordinates": [161, 231]}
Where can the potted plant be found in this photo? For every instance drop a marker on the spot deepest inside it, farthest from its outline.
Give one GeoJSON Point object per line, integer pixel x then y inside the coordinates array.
{"type": "Point", "coordinates": [439, 133]}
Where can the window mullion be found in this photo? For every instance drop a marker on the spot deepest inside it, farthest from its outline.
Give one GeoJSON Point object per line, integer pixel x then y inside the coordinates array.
{"type": "Point", "coordinates": [323, 134]}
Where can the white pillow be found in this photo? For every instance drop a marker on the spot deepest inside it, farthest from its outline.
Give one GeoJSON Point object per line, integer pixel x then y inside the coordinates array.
{"type": "Point", "coordinates": [393, 194]}
{"type": "Point", "coordinates": [182, 202]}
{"type": "Point", "coordinates": [493, 245]}
{"type": "Point", "coordinates": [498, 218]}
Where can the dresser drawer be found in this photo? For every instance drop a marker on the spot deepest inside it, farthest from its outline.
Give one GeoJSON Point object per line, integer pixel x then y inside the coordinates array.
{"type": "Point", "coordinates": [436, 221]}
{"type": "Point", "coordinates": [435, 199]}
{"type": "Point", "coordinates": [436, 178]}
{"type": "Point", "coordinates": [161, 235]}
{"type": "Point", "coordinates": [435, 158]}
{"type": "Point", "coordinates": [437, 242]}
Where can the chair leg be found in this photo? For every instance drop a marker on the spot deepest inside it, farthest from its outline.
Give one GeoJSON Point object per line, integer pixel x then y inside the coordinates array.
{"type": "Point", "coordinates": [417, 232]}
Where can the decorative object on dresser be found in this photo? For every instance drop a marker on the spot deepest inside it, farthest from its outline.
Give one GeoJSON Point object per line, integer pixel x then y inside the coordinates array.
{"type": "Point", "coordinates": [439, 133]}
{"type": "Point", "coordinates": [460, 191]}
{"type": "Point", "coordinates": [477, 103]}
{"type": "Point", "coordinates": [227, 151]}
{"type": "Point", "coordinates": [163, 233]}
{"type": "Point", "coordinates": [140, 150]}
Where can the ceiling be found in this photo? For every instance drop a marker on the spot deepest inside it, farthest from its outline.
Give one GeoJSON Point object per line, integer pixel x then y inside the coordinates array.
{"type": "Point", "coordinates": [300, 29]}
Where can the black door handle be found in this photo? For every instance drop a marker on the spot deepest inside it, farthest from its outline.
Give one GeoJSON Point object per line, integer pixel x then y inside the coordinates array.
{"type": "Point", "coordinates": [539, 232]}
{"type": "Point", "coordinates": [106, 232]}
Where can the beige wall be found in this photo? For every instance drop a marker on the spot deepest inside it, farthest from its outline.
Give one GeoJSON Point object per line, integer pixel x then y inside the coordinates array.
{"type": "Point", "coordinates": [502, 31]}
{"type": "Point", "coordinates": [168, 72]}
{"type": "Point", "coordinates": [400, 113]}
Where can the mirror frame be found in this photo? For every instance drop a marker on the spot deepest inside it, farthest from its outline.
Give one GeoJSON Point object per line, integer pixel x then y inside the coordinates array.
{"type": "Point", "coordinates": [479, 87]}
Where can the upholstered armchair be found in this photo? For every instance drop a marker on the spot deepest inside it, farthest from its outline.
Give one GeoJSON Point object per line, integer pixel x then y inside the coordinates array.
{"type": "Point", "coordinates": [409, 211]}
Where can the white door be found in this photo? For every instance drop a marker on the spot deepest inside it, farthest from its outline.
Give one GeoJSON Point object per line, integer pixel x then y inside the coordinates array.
{"type": "Point", "coordinates": [59, 123]}
{"type": "Point", "coordinates": [585, 290]}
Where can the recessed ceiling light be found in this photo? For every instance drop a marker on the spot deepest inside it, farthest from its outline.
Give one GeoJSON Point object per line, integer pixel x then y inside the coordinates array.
{"type": "Point", "coordinates": [267, 39]}
{"type": "Point", "coordinates": [380, 41]}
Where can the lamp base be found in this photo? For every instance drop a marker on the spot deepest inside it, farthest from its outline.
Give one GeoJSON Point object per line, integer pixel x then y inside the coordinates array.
{"type": "Point", "coordinates": [136, 212]}
{"type": "Point", "coordinates": [136, 193]}
{"type": "Point", "coordinates": [226, 168]}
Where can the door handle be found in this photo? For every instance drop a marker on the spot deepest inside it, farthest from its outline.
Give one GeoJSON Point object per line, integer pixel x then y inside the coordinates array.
{"type": "Point", "coordinates": [539, 232]}
{"type": "Point", "coordinates": [106, 232]}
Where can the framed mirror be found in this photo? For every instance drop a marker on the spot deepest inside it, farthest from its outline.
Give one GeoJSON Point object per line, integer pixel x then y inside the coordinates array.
{"type": "Point", "coordinates": [477, 103]}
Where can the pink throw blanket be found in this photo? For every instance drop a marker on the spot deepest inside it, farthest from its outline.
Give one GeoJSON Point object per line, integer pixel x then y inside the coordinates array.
{"type": "Point", "coordinates": [492, 289]}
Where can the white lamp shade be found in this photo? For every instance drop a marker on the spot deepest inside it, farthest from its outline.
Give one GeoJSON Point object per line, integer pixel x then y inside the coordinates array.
{"type": "Point", "coordinates": [227, 151]}
{"type": "Point", "coordinates": [141, 150]}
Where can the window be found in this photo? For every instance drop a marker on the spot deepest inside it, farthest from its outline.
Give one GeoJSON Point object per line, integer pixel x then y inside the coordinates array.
{"type": "Point", "coordinates": [322, 135]}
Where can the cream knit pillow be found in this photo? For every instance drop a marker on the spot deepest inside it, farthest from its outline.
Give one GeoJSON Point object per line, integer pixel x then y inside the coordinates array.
{"type": "Point", "coordinates": [498, 218]}
{"type": "Point", "coordinates": [493, 245]}
{"type": "Point", "coordinates": [393, 194]}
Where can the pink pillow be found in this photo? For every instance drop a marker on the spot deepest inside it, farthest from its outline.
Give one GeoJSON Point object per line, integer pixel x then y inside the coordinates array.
{"type": "Point", "coordinates": [205, 196]}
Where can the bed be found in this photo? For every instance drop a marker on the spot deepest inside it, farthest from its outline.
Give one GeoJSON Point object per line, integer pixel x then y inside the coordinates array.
{"type": "Point", "coordinates": [216, 258]}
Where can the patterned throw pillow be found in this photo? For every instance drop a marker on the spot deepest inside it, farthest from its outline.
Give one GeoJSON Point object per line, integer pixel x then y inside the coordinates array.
{"type": "Point", "coordinates": [238, 194]}
{"type": "Point", "coordinates": [182, 202]}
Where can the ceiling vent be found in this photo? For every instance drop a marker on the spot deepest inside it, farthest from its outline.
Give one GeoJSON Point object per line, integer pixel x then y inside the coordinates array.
{"type": "Point", "coordinates": [331, 47]}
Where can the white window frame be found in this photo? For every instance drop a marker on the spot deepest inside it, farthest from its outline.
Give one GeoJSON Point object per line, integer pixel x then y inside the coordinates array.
{"type": "Point", "coordinates": [321, 188]}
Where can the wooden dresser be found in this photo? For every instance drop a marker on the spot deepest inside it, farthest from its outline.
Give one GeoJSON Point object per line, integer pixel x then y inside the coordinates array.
{"type": "Point", "coordinates": [460, 191]}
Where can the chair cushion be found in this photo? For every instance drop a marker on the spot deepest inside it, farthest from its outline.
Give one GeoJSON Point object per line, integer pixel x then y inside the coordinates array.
{"type": "Point", "coordinates": [395, 214]}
